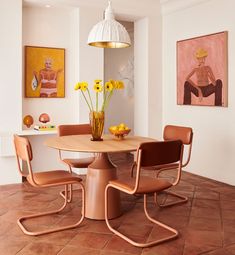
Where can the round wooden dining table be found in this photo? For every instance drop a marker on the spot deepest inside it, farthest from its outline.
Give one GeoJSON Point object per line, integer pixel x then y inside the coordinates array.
{"type": "Point", "coordinates": [101, 170]}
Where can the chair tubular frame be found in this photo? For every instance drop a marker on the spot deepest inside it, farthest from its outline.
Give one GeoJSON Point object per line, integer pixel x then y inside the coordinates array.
{"type": "Point", "coordinates": [182, 199]}
{"type": "Point", "coordinates": [70, 186]}
{"type": "Point", "coordinates": [36, 215]}
{"type": "Point", "coordinates": [69, 197]}
{"type": "Point", "coordinates": [133, 192]}
{"type": "Point", "coordinates": [20, 221]}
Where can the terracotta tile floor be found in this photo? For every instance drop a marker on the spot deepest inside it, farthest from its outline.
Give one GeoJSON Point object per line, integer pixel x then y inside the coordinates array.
{"type": "Point", "coordinates": [206, 223]}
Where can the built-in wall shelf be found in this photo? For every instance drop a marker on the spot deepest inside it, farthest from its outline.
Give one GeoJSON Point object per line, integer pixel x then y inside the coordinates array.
{"type": "Point", "coordinates": [30, 132]}
{"type": "Point", "coordinates": [6, 139]}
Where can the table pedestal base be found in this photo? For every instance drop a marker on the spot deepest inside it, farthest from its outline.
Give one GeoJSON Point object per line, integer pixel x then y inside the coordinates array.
{"type": "Point", "coordinates": [99, 173]}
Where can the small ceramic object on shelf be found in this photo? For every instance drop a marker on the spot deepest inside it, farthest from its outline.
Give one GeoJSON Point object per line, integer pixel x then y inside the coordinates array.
{"type": "Point", "coordinates": [28, 121]}
{"type": "Point", "coordinates": [44, 118]}
{"type": "Point", "coordinates": [119, 131]}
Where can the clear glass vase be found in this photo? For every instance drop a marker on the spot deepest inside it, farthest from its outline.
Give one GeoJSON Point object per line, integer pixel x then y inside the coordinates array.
{"type": "Point", "coordinates": [97, 125]}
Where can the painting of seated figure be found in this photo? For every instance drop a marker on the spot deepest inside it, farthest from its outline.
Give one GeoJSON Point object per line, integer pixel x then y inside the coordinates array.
{"type": "Point", "coordinates": [202, 70]}
{"type": "Point", "coordinates": [44, 72]}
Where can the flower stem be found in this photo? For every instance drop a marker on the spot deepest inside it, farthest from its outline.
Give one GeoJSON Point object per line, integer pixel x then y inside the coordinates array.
{"type": "Point", "coordinates": [108, 99]}
{"type": "Point", "coordinates": [97, 101]}
{"type": "Point", "coordinates": [90, 100]}
{"type": "Point", "coordinates": [105, 97]}
{"type": "Point", "coordinates": [86, 100]}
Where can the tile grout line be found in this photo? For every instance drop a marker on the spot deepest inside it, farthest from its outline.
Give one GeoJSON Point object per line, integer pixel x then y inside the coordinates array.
{"type": "Point", "coordinates": [189, 216]}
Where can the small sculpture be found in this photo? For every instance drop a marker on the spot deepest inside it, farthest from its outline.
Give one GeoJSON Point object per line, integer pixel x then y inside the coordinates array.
{"type": "Point", "coordinates": [44, 118]}
{"type": "Point", "coordinates": [28, 121]}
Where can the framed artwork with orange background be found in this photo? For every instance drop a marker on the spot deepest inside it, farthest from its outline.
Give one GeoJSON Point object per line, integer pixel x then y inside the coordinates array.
{"type": "Point", "coordinates": [44, 72]}
{"type": "Point", "coordinates": [202, 70]}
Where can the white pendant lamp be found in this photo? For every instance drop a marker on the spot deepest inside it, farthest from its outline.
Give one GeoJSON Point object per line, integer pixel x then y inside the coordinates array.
{"type": "Point", "coordinates": [109, 33]}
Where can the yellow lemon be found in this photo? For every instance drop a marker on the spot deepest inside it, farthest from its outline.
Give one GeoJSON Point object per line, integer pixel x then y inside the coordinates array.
{"type": "Point", "coordinates": [122, 125]}
{"type": "Point", "coordinates": [121, 128]}
{"type": "Point", "coordinates": [126, 128]}
{"type": "Point", "coordinates": [114, 128]}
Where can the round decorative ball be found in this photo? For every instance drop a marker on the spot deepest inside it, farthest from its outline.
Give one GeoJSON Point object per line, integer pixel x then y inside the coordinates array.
{"type": "Point", "coordinates": [44, 118]}
{"type": "Point", "coordinates": [28, 121]}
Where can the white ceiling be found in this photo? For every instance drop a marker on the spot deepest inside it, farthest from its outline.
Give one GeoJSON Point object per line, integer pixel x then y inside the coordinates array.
{"type": "Point", "coordinates": [128, 10]}
{"type": "Point", "coordinates": [95, 3]}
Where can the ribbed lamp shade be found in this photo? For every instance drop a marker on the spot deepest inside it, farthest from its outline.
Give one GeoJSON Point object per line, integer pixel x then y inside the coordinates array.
{"type": "Point", "coordinates": [109, 33]}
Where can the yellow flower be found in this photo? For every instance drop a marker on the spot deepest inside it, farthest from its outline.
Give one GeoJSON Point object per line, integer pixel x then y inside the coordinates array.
{"type": "Point", "coordinates": [119, 85]}
{"type": "Point", "coordinates": [113, 82]}
{"type": "Point", "coordinates": [78, 86]}
{"type": "Point", "coordinates": [98, 87]}
{"type": "Point", "coordinates": [108, 89]}
{"type": "Point", "coordinates": [108, 86]}
{"type": "Point", "coordinates": [98, 81]}
{"type": "Point", "coordinates": [84, 86]}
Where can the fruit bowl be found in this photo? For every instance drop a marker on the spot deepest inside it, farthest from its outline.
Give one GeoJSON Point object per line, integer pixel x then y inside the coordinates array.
{"type": "Point", "coordinates": [119, 134]}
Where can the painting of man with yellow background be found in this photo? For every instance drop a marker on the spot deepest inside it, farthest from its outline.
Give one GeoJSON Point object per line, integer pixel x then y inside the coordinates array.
{"type": "Point", "coordinates": [44, 72]}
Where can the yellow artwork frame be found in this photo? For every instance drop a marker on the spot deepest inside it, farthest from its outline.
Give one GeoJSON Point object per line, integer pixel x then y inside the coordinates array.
{"type": "Point", "coordinates": [44, 72]}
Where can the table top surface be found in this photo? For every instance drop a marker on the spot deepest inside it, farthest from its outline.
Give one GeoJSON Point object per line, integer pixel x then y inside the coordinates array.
{"type": "Point", "coordinates": [83, 143]}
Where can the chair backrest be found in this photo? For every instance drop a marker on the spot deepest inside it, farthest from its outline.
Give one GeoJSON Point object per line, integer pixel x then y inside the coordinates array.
{"type": "Point", "coordinates": [24, 152]}
{"type": "Point", "coordinates": [185, 134]}
{"type": "Point", "coordinates": [160, 153]}
{"type": "Point", "coordinates": [74, 129]}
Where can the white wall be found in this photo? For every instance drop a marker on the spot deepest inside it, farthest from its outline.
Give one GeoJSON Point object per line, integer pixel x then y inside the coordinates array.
{"type": "Point", "coordinates": [91, 62]}
{"type": "Point", "coordinates": [10, 64]}
{"type": "Point", "coordinates": [141, 77]}
{"type": "Point", "coordinates": [51, 27]}
{"type": "Point", "coordinates": [91, 59]}
{"type": "Point", "coordinates": [11, 76]}
{"type": "Point", "coordinates": [148, 76]}
{"type": "Point", "coordinates": [64, 28]}
{"type": "Point", "coordinates": [116, 61]}
{"type": "Point", "coordinates": [214, 136]}
{"type": "Point", "coordinates": [83, 63]}
{"type": "Point", "coordinates": [155, 75]}
{"type": "Point", "coordinates": [148, 81]}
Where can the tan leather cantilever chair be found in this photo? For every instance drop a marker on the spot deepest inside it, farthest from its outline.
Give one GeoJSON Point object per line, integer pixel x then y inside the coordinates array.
{"type": "Point", "coordinates": [185, 134]}
{"type": "Point", "coordinates": [43, 180]}
{"type": "Point", "coordinates": [148, 154]}
{"type": "Point", "coordinates": [74, 129]}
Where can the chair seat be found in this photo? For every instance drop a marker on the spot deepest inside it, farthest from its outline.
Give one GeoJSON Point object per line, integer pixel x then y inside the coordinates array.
{"type": "Point", "coordinates": [166, 166]}
{"type": "Point", "coordinates": [146, 184]}
{"type": "Point", "coordinates": [79, 163]}
{"type": "Point", "coordinates": [54, 177]}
